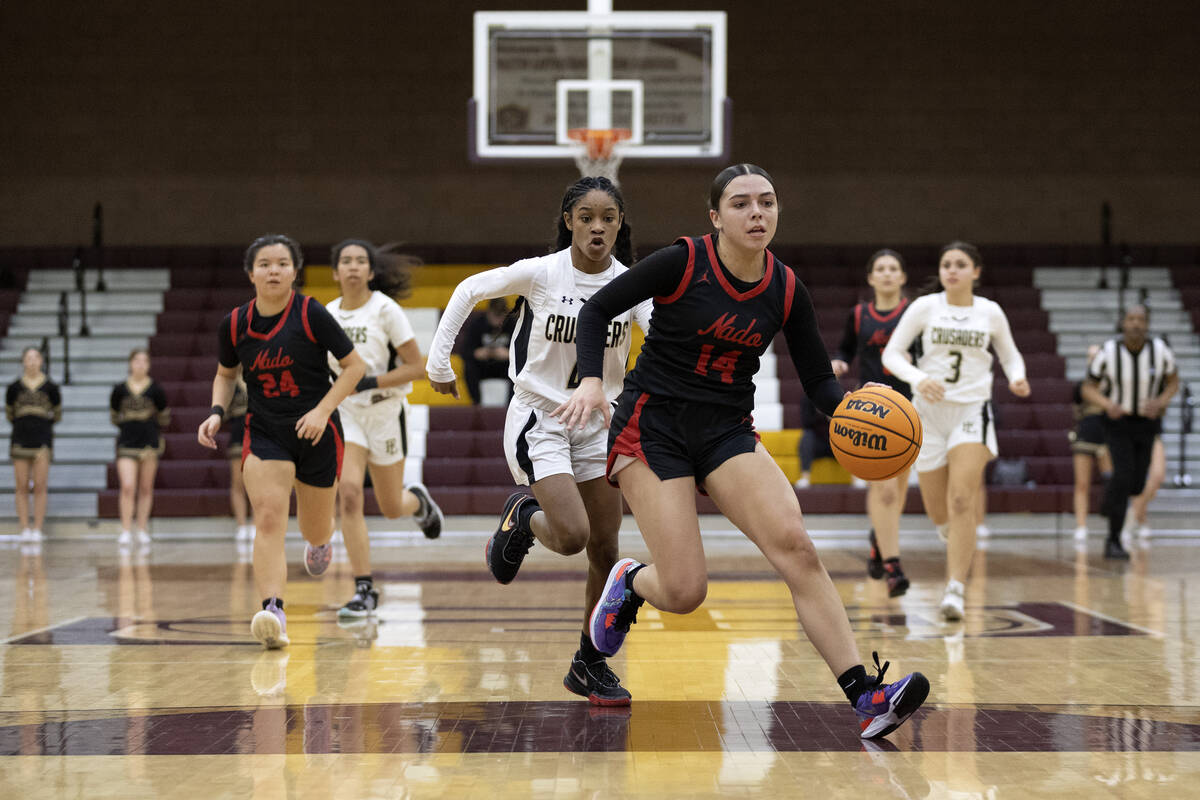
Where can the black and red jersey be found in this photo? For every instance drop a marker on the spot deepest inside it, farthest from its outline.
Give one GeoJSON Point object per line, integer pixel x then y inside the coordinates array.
{"type": "Point", "coordinates": [867, 333]}
{"type": "Point", "coordinates": [709, 329]}
{"type": "Point", "coordinates": [283, 357]}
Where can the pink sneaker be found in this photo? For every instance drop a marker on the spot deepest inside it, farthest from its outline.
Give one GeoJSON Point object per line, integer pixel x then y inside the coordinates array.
{"type": "Point", "coordinates": [316, 559]}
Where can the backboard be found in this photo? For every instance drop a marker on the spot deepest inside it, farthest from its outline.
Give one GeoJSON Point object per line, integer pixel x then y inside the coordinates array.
{"type": "Point", "coordinates": [658, 76]}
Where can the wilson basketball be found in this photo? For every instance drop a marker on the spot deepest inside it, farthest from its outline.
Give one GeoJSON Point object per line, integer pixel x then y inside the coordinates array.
{"type": "Point", "coordinates": [875, 433]}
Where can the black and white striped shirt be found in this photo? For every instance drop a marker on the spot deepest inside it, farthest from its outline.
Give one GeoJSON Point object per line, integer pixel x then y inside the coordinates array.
{"type": "Point", "coordinates": [1132, 378]}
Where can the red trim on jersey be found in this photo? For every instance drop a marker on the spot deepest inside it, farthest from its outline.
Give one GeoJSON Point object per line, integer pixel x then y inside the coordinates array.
{"type": "Point", "coordinates": [304, 319]}
{"type": "Point", "coordinates": [891, 315]}
{"type": "Point", "coordinates": [278, 326]}
{"type": "Point", "coordinates": [857, 318]}
{"type": "Point", "coordinates": [245, 438]}
{"type": "Point", "coordinates": [754, 291]}
{"type": "Point", "coordinates": [789, 283]}
{"type": "Point", "coordinates": [629, 441]}
{"type": "Point", "coordinates": [687, 274]}
{"type": "Point", "coordinates": [233, 325]}
{"type": "Point", "coordinates": [341, 447]}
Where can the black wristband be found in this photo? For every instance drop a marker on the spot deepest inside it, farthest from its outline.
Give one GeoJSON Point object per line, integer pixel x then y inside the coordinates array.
{"type": "Point", "coordinates": [366, 383]}
{"type": "Point", "coordinates": [217, 409]}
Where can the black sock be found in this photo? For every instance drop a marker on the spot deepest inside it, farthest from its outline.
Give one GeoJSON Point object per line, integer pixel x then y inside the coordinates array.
{"type": "Point", "coordinates": [853, 682]}
{"type": "Point", "coordinates": [895, 562]}
{"type": "Point", "coordinates": [364, 583]}
{"type": "Point", "coordinates": [588, 651]}
{"type": "Point", "coordinates": [278, 602]}
{"type": "Point", "coordinates": [526, 513]}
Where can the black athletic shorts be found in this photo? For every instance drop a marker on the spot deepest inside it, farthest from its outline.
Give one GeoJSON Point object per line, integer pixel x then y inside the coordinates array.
{"type": "Point", "coordinates": [1088, 437]}
{"type": "Point", "coordinates": [317, 464]}
{"type": "Point", "coordinates": [677, 438]}
{"type": "Point", "coordinates": [237, 433]}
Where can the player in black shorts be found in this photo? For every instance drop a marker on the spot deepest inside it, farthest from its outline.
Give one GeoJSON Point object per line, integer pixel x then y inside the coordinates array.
{"type": "Point", "coordinates": [138, 407]}
{"type": "Point", "coordinates": [33, 403]}
{"type": "Point", "coordinates": [684, 422]}
{"type": "Point", "coordinates": [868, 328]}
{"type": "Point", "coordinates": [293, 438]}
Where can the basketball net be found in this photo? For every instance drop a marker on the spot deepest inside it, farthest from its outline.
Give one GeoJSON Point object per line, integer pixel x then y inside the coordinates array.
{"type": "Point", "coordinates": [598, 155]}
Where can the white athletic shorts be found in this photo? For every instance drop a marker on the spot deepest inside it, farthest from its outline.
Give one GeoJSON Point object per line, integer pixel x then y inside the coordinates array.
{"type": "Point", "coordinates": [379, 427]}
{"type": "Point", "coordinates": [537, 445]}
{"type": "Point", "coordinates": [947, 425]}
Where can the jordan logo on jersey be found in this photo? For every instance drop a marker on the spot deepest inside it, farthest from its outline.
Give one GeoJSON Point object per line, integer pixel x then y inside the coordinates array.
{"type": "Point", "coordinates": [725, 330]}
{"type": "Point", "coordinates": [703, 278]}
{"type": "Point", "coordinates": [263, 361]}
{"type": "Point", "coordinates": [878, 339]}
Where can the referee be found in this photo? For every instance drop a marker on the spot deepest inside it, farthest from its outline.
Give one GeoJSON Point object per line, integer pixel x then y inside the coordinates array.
{"type": "Point", "coordinates": [1142, 379]}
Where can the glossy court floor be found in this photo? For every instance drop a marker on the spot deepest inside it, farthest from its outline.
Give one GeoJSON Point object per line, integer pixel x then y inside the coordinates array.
{"type": "Point", "coordinates": [133, 675]}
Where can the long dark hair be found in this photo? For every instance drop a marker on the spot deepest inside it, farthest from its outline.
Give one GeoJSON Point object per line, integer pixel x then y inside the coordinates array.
{"type": "Point", "coordinates": [393, 271]}
{"type": "Point", "coordinates": [729, 173]}
{"type": "Point", "coordinates": [933, 284]}
{"type": "Point", "coordinates": [269, 239]}
{"type": "Point", "coordinates": [623, 247]}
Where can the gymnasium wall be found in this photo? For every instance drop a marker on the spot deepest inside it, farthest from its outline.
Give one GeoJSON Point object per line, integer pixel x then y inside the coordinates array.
{"type": "Point", "coordinates": [882, 122]}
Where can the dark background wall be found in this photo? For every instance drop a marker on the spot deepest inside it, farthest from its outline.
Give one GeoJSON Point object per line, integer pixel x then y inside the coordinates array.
{"type": "Point", "coordinates": [210, 122]}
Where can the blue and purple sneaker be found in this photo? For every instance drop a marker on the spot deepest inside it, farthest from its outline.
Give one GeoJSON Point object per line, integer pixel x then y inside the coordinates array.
{"type": "Point", "coordinates": [616, 610]}
{"type": "Point", "coordinates": [317, 558]}
{"type": "Point", "coordinates": [885, 707]}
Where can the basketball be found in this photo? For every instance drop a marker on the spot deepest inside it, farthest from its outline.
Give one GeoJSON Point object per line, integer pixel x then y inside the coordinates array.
{"type": "Point", "coordinates": [875, 433]}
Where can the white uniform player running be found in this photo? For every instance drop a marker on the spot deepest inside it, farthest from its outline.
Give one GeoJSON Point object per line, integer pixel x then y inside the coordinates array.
{"type": "Point", "coordinates": [374, 417]}
{"type": "Point", "coordinates": [952, 390]}
{"type": "Point", "coordinates": [573, 507]}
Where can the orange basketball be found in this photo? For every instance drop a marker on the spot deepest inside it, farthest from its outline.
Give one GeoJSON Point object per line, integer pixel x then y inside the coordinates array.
{"type": "Point", "coordinates": [875, 433]}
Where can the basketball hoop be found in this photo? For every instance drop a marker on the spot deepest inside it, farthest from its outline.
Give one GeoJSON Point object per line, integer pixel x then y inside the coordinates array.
{"type": "Point", "coordinates": [598, 154]}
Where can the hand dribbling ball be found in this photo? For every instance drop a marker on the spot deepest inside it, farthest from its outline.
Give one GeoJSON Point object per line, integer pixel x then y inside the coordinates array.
{"type": "Point", "coordinates": [875, 433]}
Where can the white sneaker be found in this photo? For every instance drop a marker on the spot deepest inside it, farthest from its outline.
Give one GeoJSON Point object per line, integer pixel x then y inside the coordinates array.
{"type": "Point", "coordinates": [125, 539]}
{"type": "Point", "coordinates": [952, 601]}
{"type": "Point", "coordinates": [242, 534]}
{"type": "Point", "coordinates": [1143, 532]}
{"type": "Point", "coordinates": [1081, 533]}
{"type": "Point", "coordinates": [35, 535]}
{"type": "Point", "coordinates": [982, 532]}
{"type": "Point", "coordinates": [857, 482]}
{"type": "Point", "coordinates": [26, 535]}
{"type": "Point", "coordinates": [801, 483]}
{"type": "Point", "coordinates": [143, 538]}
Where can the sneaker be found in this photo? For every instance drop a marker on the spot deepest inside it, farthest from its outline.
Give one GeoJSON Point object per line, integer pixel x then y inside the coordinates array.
{"type": "Point", "coordinates": [245, 533]}
{"type": "Point", "coordinates": [35, 535]}
{"type": "Point", "coordinates": [943, 531]}
{"type": "Point", "coordinates": [874, 560]}
{"type": "Point", "coordinates": [317, 558]}
{"type": "Point", "coordinates": [510, 543]}
{"type": "Point", "coordinates": [125, 539]}
{"type": "Point", "coordinates": [616, 610]}
{"type": "Point", "coordinates": [983, 532]}
{"type": "Point", "coordinates": [599, 684]}
{"type": "Point", "coordinates": [952, 601]}
{"type": "Point", "coordinates": [1143, 532]}
{"type": "Point", "coordinates": [885, 707]}
{"type": "Point", "coordinates": [802, 483]}
{"type": "Point", "coordinates": [25, 535]}
{"type": "Point", "coordinates": [363, 604]}
{"type": "Point", "coordinates": [428, 516]}
{"type": "Point", "coordinates": [269, 627]}
{"type": "Point", "coordinates": [897, 582]}
{"type": "Point", "coordinates": [143, 538]}
{"type": "Point", "coordinates": [1115, 551]}
{"type": "Point", "coordinates": [1081, 533]}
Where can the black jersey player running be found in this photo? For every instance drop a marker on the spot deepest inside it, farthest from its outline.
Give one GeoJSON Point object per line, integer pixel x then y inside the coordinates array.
{"type": "Point", "coordinates": [684, 422]}
{"type": "Point", "coordinates": [868, 329]}
{"type": "Point", "coordinates": [293, 437]}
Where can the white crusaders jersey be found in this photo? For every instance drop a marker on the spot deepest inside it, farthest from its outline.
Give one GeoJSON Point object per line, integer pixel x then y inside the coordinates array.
{"type": "Point", "coordinates": [954, 346]}
{"type": "Point", "coordinates": [541, 355]}
{"type": "Point", "coordinates": [377, 328]}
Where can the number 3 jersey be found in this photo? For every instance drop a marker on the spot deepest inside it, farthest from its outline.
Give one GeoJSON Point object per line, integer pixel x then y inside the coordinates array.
{"type": "Point", "coordinates": [541, 355]}
{"type": "Point", "coordinates": [283, 356]}
{"type": "Point", "coordinates": [954, 346]}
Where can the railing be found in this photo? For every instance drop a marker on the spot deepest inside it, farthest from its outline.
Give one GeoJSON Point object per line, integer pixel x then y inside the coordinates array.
{"type": "Point", "coordinates": [64, 330]}
{"type": "Point", "coordinates": [1187, 406]}
{"type": "Point", "coordinates": [81, 287]}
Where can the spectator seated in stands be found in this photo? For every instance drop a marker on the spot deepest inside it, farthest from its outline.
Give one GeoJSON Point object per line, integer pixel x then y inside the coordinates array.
{"type": "Point", "coordinates": [485, 347]}
{"type": "Point", "coordinates": [814, 443]}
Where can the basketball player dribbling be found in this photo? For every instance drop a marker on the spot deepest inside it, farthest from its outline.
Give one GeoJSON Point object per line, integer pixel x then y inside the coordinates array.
{"type": "Point", "coordinates": [293, 438]}
{"type": "Point", "coordinates": [572, 507]}
{"type": "Point", "coordinates": [684, 423]}
{"type": "Point", "coordinates": [952, 392]}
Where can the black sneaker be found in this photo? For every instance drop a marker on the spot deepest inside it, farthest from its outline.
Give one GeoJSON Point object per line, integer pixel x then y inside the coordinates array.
{"type": "Point", "coordinates": [1114, 550]}
{"type": "Point", "coordinates": [897, 581]}
{"type": "Point", "coordinates": [362, 604]}
{"type": "Point", "coordinates": [510, 543]}
{"type": "Point", "coordinates": [429, 515]}
{"type": "Point", "coordinates": [599, 684]}
{"type": "Point", "coordinates": [874, 560]}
